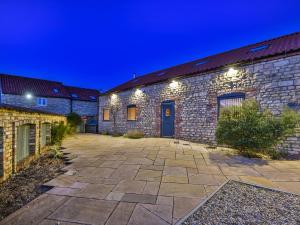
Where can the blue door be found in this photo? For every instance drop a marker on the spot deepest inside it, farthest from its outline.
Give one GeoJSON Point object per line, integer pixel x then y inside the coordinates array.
{"type": "Point", "coordinates": [167, 118]}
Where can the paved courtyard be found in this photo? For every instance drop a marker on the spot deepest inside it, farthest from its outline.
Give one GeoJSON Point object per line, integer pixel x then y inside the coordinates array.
{"type": "Point", "coordinates": [151, 181]}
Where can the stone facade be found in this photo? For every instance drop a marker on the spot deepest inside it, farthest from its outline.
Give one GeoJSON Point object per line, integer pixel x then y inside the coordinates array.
{"type": "Point", "coordinates": [85, 108]}
{"type": "Point", "coordinates": [274, 83]}
{"type": "Point", "coordinates": [54, 105]}
{"type": "Point", "coordinates": [10, 120]}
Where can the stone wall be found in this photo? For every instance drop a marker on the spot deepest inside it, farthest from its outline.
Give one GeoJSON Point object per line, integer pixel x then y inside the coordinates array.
{"type": "Point", "coordinates": [54, 105]}
{"type": "Point", "coordinates": [274, 83]}
{"type": "Point", "coordinates": [85, 108]}
{"type": "Point", "coordinates": [9, 121]}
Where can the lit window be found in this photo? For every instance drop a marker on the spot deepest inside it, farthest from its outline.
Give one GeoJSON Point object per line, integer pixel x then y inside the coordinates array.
{"type": "Point", "coordinates": [259, 48]}
{"type": "Point", "coordinates": [74, 95]}
{"type": "Point", "coordinates": [231, 99]}
{"type": "Point", "coordinates": [55, 90]}
{"type": "Point", "coordinates": [131, 112]}
{"type": "Point", "coordinates": [41, 101]}
{"type": "Point", "coordinates": [106, 115]}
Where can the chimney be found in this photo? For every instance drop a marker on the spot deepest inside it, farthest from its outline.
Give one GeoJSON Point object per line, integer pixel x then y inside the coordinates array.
{"type": "Point", "coordinates": [134, 75]}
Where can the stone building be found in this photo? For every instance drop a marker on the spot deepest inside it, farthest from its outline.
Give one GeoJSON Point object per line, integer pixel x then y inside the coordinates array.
{"type": "Point", "coordinates": [49, 96]}
{"type": "Point", "coordinates": [184, 101]}
{"type": "Point", "coordinates": [24, 134]}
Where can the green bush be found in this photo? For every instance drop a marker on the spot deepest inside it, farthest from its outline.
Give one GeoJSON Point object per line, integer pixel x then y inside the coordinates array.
{"type": "Point", "coordinates": [134, 134]}
{"type": "Point", "coordinates": [55, 152]}
{"type": "Point", "coordinates": [58, 132]}
{"type": "Point", "coordinates": [251, 130]}
{"type": "Point", "coordinates": [74, 120]}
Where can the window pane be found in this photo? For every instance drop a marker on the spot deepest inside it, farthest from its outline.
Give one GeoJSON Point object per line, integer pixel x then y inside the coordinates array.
{"type": "Point", "coordinates": [231, 102]}
{"type": "Point", "coordinates": [106, 114]}
{"type": "Point", "coordinates": [131, 113]}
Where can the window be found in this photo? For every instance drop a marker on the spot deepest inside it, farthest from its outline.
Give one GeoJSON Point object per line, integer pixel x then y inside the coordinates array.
{"type": "Point", "coordinates": [93, 97]}
{"type": "Point", "coordinates": [201, 63]}
{"type": "Point", "coordinates": [41, 101]}
{"type": "Point", "coordinates": [259, 48]}
{"type": "Point", "coordinates": [231, 99]}
{"type": "Point", "coordinates": [106, 115]}
{"type": "Point", "coordinates": [55, 90]}
{"type": "Point", "coordinates": [161, 74]}
{"type": "Point", "coordinates": [131, 112]}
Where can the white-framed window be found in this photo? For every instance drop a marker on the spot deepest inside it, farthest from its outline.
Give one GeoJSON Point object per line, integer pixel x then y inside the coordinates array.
{"type": "Point", "coordinates": [41, 101]}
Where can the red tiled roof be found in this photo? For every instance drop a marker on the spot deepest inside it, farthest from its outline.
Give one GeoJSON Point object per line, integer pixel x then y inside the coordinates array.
{"type": "Point", "coordinates": [83, 93]}
{"type": "Point", "coordinates": [20, 85]}
{"type": "Point", "coordinates": [277, 46]}
{"type": "Point", "coordinates": [17, 85]}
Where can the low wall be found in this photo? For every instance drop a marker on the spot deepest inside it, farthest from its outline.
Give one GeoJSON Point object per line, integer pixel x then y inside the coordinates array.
{"type": "Point", "coordinates": [10, 119]}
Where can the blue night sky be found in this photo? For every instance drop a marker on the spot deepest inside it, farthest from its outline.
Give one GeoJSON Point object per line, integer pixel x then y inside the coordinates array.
{"type": "Point", "coordinates": [100, 44]}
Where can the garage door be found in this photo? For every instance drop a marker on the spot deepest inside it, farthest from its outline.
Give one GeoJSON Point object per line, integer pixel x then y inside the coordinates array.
{"type": "Point", "coordinates": [22, 142]}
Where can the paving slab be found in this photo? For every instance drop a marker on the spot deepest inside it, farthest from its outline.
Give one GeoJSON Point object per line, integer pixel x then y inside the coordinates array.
{"type": "Point", "coordinates": [182, 190]}
{"type": "Point", "coordinates": [82, 210]}
{"type": "Point", "coordinates": [139, 198]}
{"type": "Point", "coordinates": [143, 216]}
{"type": "Point", "coordinates": [130, 186]}
{"type": "Point", "coordinates": [121, 214]}
{"type": "Point", "coordinates": [35, 211]}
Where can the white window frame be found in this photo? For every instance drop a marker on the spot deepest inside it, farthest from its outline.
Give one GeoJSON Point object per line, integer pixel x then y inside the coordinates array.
{"type": "Point", "coordinates": [42, 101]}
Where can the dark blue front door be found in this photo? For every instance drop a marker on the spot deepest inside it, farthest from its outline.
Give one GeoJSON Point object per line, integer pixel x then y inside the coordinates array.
{"type": "Point", "coordinates": [167, 117]}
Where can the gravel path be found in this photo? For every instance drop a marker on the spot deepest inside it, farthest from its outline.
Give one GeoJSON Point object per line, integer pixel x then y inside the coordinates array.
{"type": "Point", "coordinates": [239, 203]}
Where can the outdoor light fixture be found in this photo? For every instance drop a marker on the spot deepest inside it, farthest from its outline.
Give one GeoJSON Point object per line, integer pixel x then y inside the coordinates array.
{"type": "Point", "coordinates": [138, 92]}
{"type": "Point", "coordinates": [232, 71]}
{"type": "Point", "coordinates": [113, 96]}
{"type": "Point", "coordinates": [174, 84]}
{"type": "Point", "coordinates": [28, 96]}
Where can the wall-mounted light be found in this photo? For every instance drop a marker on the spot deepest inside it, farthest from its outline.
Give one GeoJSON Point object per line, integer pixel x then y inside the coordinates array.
{"type": "Point", "coordinates": [113, 96]}
{"type": "Point", "coordinates": [28, 95]}
{"type": "Point", "coordinates": [174, 84]}
{"type": "Point", "coordinates": [232, 71]}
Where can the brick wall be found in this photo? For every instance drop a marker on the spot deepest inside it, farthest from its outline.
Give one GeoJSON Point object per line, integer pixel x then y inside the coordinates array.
{"type": "Point", "coordinates": [273, 83]}
{"type": "Point", "coordinates": [54, 105]}
{"type": "Point", "coordinates": [10, 120]}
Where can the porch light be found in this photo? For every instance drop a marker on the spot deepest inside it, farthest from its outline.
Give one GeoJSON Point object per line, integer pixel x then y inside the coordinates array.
{"type": "Point", "coordinates": [138, 92]}
{"type": "Point", "coordinates": [113, 96]}
{"type": "Point", "coordinates": [232, 71]}
{"type": "Point", "coordinates": [28, 96]}
{"type": "Point", "coordinates": [174, 84]}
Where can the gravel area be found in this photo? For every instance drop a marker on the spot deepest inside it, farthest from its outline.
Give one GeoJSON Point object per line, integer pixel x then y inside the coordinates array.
{"type": "Point", "coordinates": [27, 184]}
{"type": "Point", "coordinates": [240, 203]}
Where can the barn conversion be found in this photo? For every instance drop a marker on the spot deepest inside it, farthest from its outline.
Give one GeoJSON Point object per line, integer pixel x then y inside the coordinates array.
{"type": "Point", "coordinates": [184, 101]}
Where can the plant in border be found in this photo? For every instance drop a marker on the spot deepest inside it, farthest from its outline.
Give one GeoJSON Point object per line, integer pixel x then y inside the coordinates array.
{"type": "Point", "coordinates": [74, 120]}
{"type": "Point", "coordinates": [253, 131]}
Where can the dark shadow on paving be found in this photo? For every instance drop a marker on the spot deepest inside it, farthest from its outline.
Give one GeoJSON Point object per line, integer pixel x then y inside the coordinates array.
{"type": "Point", "coordinates": [236, 160]}
{"type": "Point", "coordinates": [240, 203]}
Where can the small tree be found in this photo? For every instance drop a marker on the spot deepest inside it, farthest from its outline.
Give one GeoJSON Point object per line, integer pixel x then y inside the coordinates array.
{"type": "Point", "coordinates": [251, 130]}
{"type": "Point", "coordinates": [74, 120]}
{"type": "Point", "coordinates": [114, 111]}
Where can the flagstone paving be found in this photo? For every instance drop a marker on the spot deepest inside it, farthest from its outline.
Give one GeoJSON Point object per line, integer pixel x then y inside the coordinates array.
{"type": "Point", "coordinates": [151, 181]}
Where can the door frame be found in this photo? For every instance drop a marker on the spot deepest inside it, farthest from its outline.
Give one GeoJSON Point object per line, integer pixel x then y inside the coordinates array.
{"type": "Point", "coordinates": [161, 118]}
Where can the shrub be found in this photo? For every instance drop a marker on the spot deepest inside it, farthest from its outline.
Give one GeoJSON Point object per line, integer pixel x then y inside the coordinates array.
{"type": "Point", "coordinates": [134, 134]}
{"type": "Point", "coordinates": [251, 130]}
{"type": "Point", "coordinates": [74, 120]}
{"type": "Point", "coordinates": [58, 132]}
{"type": "Point", "coordinates": [55, 152]}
